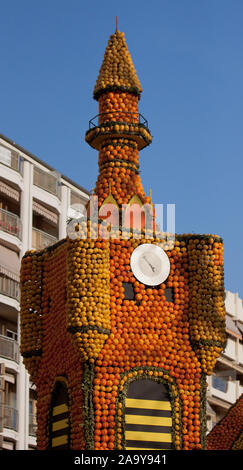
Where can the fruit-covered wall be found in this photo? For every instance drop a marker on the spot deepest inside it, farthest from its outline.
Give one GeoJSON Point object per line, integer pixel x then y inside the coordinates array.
{"type": "Point", "coordinates": [227, 434]}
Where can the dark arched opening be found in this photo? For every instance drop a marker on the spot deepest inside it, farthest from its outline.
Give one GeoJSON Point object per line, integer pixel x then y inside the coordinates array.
{"type": "Point", "coordinates": [59, 422]}
{"type": "Point", "coordinates": [148, 418]}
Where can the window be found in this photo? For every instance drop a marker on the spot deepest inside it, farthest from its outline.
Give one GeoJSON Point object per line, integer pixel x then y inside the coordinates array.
{"type": "Point", "coordinates": [219, 383]}
{"type": "Point", "coordinates": [128, 290]}
{"type": "Point", "coordinates": [169, 294]}
{"type": "Point", "coordinates": [12, 334]}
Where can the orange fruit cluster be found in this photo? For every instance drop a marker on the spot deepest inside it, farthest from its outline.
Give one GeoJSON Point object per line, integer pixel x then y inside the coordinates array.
{"type": "Point", "coordinates": [118, 113]}
{"type": "Point", "coordinates": [151, 332]}
{"type": "Point", "coordinates": [227, 434]}
{"type": "Point", "coordinates": [119, 151]}
{"type": "Point", "coordinates": [207, 310]}
{"type": "Point", "coordinates": [119, 175]}
{"type": "Point", "coordinates": [117, 69]}
{"type": "Point", "coordinates": [122, 337]}
{"type": "Point", "coordinates": [31, 311]}
{"type": "Point", "coordinates": [118, 106]}
{"type": "Point", "coordinates": [109, 397]}
{"type": "Point", "coordinates": [88, 299]}
{"type": "Point", "coordinates": [118, 118]}
{"type": "Point", "coordinates": [55, 340]}
{"type": "Point", "coordinates": [238, 445]}
{"type": "Point", "coordinates": [136, 132]}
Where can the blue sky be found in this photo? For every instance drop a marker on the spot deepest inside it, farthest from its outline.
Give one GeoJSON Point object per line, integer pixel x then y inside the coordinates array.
{"type": "Point", "coordinates": [188, 56]}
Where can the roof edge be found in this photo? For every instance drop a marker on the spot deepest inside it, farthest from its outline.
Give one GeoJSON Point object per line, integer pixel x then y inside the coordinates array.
{"type": "Point", "coordinates": [37, 159]}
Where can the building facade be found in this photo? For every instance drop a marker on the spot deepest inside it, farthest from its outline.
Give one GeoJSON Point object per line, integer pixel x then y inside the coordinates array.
{"type": "Point", "coordinates": [226, 383]}
{"type": "Point", "coordinates": [34, 205]}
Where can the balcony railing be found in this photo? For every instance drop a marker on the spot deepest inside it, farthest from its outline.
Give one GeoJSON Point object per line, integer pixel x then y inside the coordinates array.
{"type": "Point", "coordinates": [9, 348]}
{"type": "Point", "coordinates": [240, 354]}
{"type": "Point", "coordinates": [46, 181]}
{"type": "Point", "coordinates": [32, 425]}
{"type": "Point", "coordinates": [10, 417]}
{"type": "Point", "coordinates": [9, 287]}
{"type": "Point", "coordinates": [10, 223]}
{"type": "Point", "coordinates": [230, 350]}
{"type": "Point", "coordinates": [10, 158]}
{"type": "Point", "coordinates": [41, 240]}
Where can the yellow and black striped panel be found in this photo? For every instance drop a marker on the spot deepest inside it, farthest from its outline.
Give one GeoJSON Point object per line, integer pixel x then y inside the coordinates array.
{"type": "Point", "coordinates": [148, 421]}
{"type": "Point", "coordinates": [59, 422]}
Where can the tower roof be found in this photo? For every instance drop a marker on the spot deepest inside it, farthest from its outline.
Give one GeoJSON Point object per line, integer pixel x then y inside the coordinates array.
{"type": "Point", "coordinates": [117, 70]}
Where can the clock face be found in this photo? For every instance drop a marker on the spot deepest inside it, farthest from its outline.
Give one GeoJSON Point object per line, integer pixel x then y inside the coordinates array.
{"type": "Point", "coordinates": [150, 264]}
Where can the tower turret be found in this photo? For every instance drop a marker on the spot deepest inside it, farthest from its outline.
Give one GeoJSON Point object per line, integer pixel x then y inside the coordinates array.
{"type": "Point", "coordinates": [119, 131]}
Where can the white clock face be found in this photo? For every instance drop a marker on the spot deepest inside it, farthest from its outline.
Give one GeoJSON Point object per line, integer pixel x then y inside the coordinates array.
{"type": "Point", "coordinates": [150, 264]}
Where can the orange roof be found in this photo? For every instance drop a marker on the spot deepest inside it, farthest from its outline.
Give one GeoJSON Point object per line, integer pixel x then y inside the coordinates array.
{"type": "Point", "coordinates": [227, 434]}
{"type": "Point", "coordinates": [117, 70]}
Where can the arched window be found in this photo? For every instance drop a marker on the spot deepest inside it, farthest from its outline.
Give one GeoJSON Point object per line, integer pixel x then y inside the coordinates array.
{"type": "Point", "coordinates": [59, 424]}
{"type": "Point", "coordinates": [148, 421]}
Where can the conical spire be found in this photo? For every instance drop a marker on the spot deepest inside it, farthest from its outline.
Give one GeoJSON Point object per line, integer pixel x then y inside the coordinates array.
{"type": "Point", "coordinates": [117, 70]}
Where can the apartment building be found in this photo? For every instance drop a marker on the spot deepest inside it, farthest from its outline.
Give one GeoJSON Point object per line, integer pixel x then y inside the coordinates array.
{"type": "Point", "coordinates": [226, 384]}
{"type": "Point", "coordinates": [34, 205]}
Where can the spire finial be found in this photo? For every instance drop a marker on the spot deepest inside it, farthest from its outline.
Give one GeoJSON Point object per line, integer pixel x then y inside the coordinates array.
{"type": "Point", "coordinates": [116, 24]}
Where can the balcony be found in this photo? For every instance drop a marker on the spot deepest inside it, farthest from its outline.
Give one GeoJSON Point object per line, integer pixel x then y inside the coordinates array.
{"type": "Point", "coordinates": [123, 124]}
{"type": "Point", "coordinates": [46, 181]}
{"type": "Point", "coordinates": [10, 158]}
{"type": "Point", "coordinates": [32, 425]}
{"type": "Point", "coordinates": [10, 417]}
{"type": "Point", "coordinates": [10, 223]}
{"type": "Point", "coordinates": [41, 240]}
{"type": "Point", "coordinates": [9, 348]}
{"type": "Point", "coordinates": [230, 350]}
{"type": "Point", "coordinates": [9, 287]}
{"type": "Point", "coordinates": [240, 354]}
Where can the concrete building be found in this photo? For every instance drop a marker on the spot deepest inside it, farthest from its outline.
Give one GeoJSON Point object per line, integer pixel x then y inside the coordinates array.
{"type": "Point", "coordinates": [226, 384]}
{"type": "Point", "coordinates": [34, 204]}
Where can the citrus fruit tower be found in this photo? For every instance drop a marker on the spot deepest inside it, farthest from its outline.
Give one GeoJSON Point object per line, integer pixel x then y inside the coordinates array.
{"type": "Point", "coordinates": [118, 362]}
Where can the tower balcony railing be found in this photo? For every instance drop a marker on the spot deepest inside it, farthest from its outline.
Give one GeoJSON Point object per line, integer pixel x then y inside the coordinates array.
{"type": "Point", "coordinates": [122, 124]}
{"type": "Point", "coordinates": [10, 223]}
{"type": "Point", "coordinates": [118, 116]}
{"type": "Point", "coordinates": [41, 240]}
